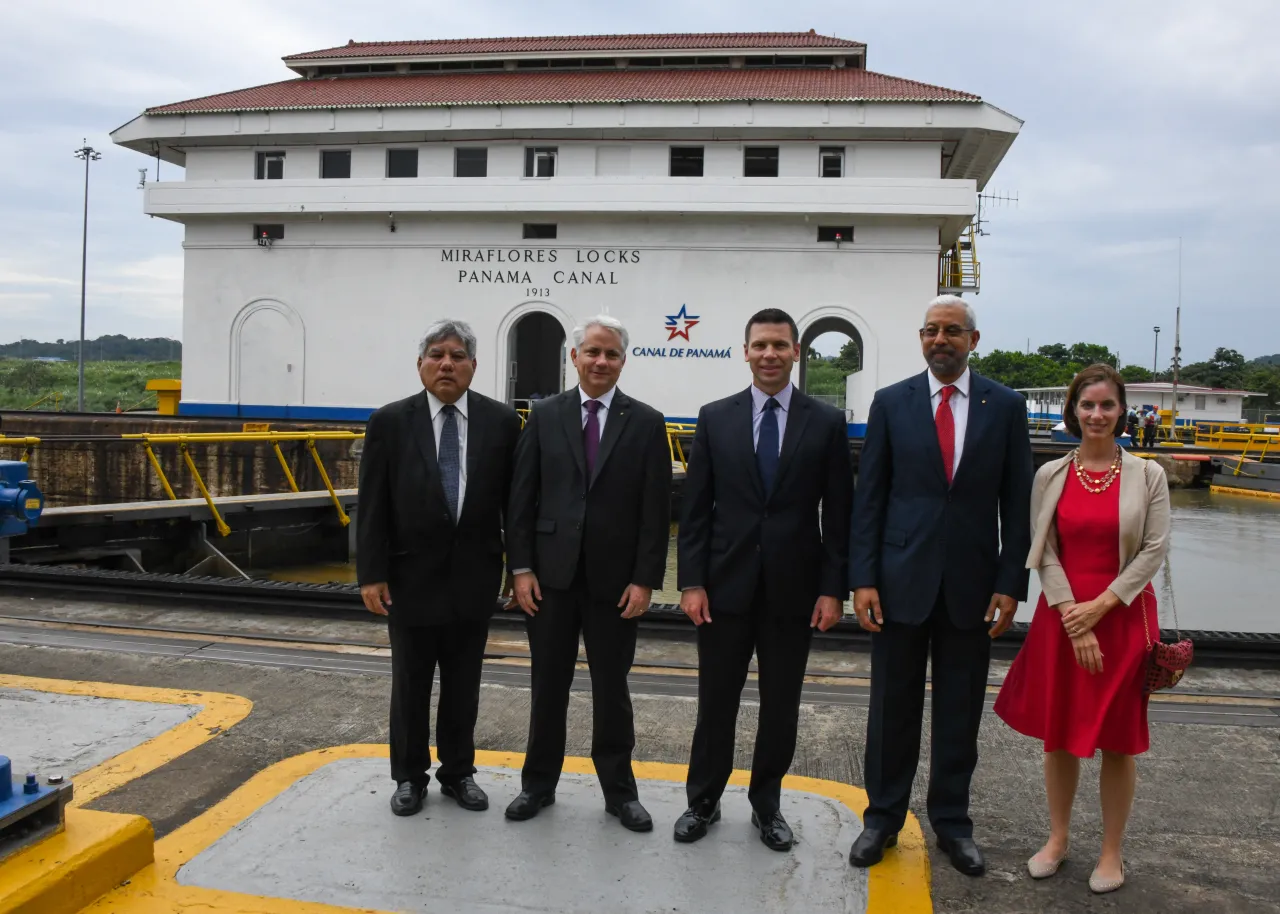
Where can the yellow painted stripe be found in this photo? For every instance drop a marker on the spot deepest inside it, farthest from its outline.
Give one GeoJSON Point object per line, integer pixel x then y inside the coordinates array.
{"type": "Point", "coordinates": [61, 874]}
{"type": "Point", "coordinates": [898, 885]}
{"type": "Point", "coordinates": [218, 711]}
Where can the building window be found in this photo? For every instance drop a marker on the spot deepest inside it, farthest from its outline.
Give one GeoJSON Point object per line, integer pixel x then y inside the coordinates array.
{"type": "Point", "coordinates": [539, 230]}
{"type": "Point", "coordinates": [686, 161]}
{"type": "Point", "coordinates": [831, 162]}
{"type": "Point", "coordinates": [263, 233]}
{"type": "Point", "coordinates": [402, 163]}
{"type": "Point", "coordinates": [1200, 401]}
{"type": "Point", "coordinates": [760, 162]}
{"type": "Point", "coordinates": [841, 233]}
{"type": "Point", "coordinates": [540, 162]}
{"type": "Point", "coordinates": [335, 163]}
{"type": "Point", "coordinates": [270, 166]}
{"type": "Point", "coordinates": [470, 162]}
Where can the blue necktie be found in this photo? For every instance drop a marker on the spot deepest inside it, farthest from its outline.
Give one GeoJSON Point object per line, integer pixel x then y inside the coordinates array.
{"type": "Point", "coordinates": [767, 445]}
{"type": "Point", "coordinates": [450, 465]}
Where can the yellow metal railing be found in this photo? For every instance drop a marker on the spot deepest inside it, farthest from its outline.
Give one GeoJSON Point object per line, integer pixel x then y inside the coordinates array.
{"type": "Point", "coordinates": [958, 267]}
{"type": "Point", "coordinates": [184, 441]}
{"type": "Point", "coordinates": [56, 396]}
{"type": "Point", "coordinates": [1243, 439]}
{"type": "Point", "coordinates": [676, 433]}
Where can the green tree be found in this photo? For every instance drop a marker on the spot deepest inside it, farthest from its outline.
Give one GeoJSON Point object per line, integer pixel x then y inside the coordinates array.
{"type": "Point", "coordinates": [850, 358]}
{"type": "Point", "coordinates": [1017, 369]}
{"type": "Point", "coordinates": [1056, 352]}
{"type": "Point", "coordinates": [1091, 353]}
{"type": "Point", "coordinates": [1225, 369]}
{"type": "Point", "coordinates": [1136, 374]}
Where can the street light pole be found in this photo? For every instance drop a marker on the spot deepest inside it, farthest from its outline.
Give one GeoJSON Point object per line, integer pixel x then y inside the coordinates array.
{"type": "Point", "coordinates": [89, 154]}
{"type": "Point", "coordinates": [1155, 360]}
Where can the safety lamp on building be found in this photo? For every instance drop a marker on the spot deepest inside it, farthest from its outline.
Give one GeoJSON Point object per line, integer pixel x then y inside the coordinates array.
{"type": "Point", "coordinates": [264, 240]}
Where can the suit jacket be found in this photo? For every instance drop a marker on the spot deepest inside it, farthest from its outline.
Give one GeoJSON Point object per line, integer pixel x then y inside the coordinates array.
{"type": "Point", "coordinates": [733, 534]}
{"type": "Point", "coordinates": [912, 535]}
{"type": "Point", "coordinates": [619, 521]}
{"type": "Point", "coordinates": [1144, 527]}
{"type": "Point", "coordinates": [437, 571]}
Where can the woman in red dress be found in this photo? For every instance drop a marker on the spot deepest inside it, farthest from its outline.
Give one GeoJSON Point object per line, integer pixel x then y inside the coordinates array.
{"type": "Point", "coordinates": [1101, 526]}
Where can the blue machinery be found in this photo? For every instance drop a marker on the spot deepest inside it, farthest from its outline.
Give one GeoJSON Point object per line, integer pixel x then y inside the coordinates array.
{"type": "Point", "coordinates": [20, 503]}
{"type": "Point", "coordinates": [28, 810]}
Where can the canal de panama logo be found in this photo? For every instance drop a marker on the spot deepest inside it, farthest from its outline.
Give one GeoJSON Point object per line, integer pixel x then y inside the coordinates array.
{"type": "Point", "coordinates": [680, 323]}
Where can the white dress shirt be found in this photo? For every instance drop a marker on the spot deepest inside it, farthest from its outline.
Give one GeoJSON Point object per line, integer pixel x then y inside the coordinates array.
{"type": "Point", "coordinates": [437, 424]}
{"type": "Point", "coordinates": [959, 409]}
{"type": "Point", "coordinates": [758, 399]}
{"type": "Point", "coordinates": [602, 414]}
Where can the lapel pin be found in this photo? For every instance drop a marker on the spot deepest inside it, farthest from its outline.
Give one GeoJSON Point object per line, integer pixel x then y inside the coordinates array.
{"type": "Point", "coordinates": [984, 401]}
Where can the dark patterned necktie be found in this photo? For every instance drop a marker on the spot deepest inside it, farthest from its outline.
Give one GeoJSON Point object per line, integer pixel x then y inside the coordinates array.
{"type": "Point", "coordinates": [767, 446]}
{"type": "Point", "coordinates": [450, 463]}
{"type": "Point", "coordinates": [591, 437]}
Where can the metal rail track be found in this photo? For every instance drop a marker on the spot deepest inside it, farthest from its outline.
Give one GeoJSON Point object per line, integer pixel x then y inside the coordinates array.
{"type": "Point", "coordinates": [343, 601]}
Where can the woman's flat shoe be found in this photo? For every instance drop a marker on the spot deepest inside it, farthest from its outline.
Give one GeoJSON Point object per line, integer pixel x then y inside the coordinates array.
{"type": "Point", "coordinates": [1043, 869]}
{"type": "Point", "coordinates": [1100, 886]}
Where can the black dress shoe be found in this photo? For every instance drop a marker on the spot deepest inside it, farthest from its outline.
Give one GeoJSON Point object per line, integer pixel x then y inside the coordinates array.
{"type": "Point", "coordinates": [408, 798]}
{"type": "Point", "coordinates": [528, 805]}
{"type": "Point", "coordinates": [632, 815]}
{"type": "Point", "coordinates": [774, 830]}
{"type": "Point", "coordinates": [868, 849]}
{"type": "Point", "coordinates": [467, 792]}
{"type": "Point", "coordinates": [965, 855]}
{"type": "Point", "coordinates": [692, 825]}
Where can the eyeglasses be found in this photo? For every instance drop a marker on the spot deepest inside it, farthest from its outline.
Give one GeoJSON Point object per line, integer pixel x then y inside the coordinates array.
{"type": "Point", "coordinates": [951, 331]}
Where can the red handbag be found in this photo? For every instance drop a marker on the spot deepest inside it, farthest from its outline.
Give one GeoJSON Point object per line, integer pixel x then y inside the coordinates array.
{"type": "Point", "coordinates": [1166, 661]}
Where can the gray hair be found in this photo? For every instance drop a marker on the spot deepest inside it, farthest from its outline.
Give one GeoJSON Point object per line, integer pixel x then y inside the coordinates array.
{"type": "Point", "coordinates": [970, 316]}
{"type": "Point", "coordinates": [608, 323]}
{"type": "Point", "coordinates": [445, 329]}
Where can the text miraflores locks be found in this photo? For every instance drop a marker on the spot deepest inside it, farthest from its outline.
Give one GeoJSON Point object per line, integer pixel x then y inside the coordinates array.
{"type": "Point", "coordinates": [514, 259]}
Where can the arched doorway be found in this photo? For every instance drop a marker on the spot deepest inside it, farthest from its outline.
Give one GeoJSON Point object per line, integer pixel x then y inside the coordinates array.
{"type": "Point", "coordinates": [537, 354]}
{"type": "Point", "coordinates": [268, 348]}
{"type": "Point", "coordinates": [831, 349]}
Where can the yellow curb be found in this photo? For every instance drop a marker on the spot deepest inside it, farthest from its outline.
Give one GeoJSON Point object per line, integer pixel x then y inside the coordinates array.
{"type": "Point", "coordinates": [94, 854]}
{"type": "Point", "coordinates": [218, 712]}
{"type": "Point", "coordinates": [898, 885]}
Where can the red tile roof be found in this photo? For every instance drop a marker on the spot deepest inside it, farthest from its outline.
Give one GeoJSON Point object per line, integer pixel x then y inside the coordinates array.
{"type": "Point", "coordinates": [585, 87]}
{"type": "Point", "coordinates": [552, 44]}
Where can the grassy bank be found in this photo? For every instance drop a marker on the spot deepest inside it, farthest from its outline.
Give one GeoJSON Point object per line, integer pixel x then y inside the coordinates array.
{"type": "Point", "coordinates": [106, 384]}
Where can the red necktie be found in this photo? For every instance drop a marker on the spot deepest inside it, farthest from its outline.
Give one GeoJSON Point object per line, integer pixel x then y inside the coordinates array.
{"type": "Point", "coordinates": [946, 422]}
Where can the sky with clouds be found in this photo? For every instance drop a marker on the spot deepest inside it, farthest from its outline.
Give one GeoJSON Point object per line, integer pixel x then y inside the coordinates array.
{"type": "Point", "coordinates": [1146, 121]}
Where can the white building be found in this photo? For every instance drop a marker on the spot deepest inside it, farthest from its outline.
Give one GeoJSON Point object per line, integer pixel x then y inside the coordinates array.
{"type": "Point", "coordinates": [1195, 404]}
{"type": "Point", "coordinates": [676, 182]}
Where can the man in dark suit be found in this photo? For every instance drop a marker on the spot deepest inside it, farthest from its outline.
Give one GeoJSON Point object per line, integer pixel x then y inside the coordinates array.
{"type": "Point", "coordinates": [587, 536]}
{"type": "Point", "coordinates": [938, 545]}
{"type": "Point", "coordinates": [765, 463]}
{"type": "Point", "coordinates": [434, 478]}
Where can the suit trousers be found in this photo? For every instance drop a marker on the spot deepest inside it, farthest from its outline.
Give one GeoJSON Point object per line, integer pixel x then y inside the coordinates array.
{"type": "Point", "coordinates": [725, 645]}
{"type": "Point", "coordinates": [899, 654]}
{"type": "Point", "coordinates": [416, 650]}
{"type": "Point", "coordinates": [610, 642]}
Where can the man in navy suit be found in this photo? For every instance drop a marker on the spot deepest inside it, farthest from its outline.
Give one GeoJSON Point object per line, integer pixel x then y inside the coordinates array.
{"type": "Point", "coordinates": [937, 548]}
{"type": "Point", "coordinates": [763, 546]}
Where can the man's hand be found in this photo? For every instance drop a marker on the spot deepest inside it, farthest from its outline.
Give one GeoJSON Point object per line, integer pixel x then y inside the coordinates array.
{"type": "Point", "coordinates": [866, 603]}
{"type": "Point", "coordinates": [826, 613]}
{"type": "Point", "coordinates": [1006, 606]}
{"type": "Point", "coordinates": [694, 603]}
{"type": "Point", "coordinates": [1088, 652]}
{"type": "Point", "coordinates": [376, 597]}
{"type": "Point", "coordinates": [636, 600]}
{"type": "Point", "coordinates": [528, 592]}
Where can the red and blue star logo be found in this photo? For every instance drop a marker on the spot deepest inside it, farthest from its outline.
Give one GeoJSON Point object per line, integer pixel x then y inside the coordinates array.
{"type": "Point", "coordinates": [680, 323]}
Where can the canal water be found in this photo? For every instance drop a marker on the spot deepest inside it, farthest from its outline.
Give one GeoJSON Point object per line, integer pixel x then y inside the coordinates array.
{"type": "Point", "coordinates": [1223, 563]}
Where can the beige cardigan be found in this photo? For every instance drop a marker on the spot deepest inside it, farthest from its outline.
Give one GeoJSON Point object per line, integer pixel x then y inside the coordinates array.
{"type": "Point", "coordinates": [1144, 527]}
